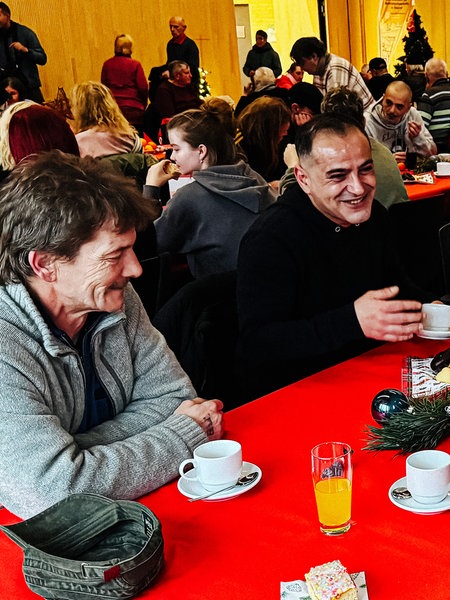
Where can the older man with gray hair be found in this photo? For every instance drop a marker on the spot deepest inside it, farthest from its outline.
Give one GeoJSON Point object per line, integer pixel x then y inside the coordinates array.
{"type": "Point", "coordinates": [181, 47]}
{"type": "Point", "coordinates": [91, 398]}
{"type": "Point", "coordinates": [434, 105]}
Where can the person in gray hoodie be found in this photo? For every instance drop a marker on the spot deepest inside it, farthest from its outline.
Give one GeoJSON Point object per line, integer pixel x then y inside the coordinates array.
{"type": "Point", "coordinates": [206, 219]}
{"type": "Point", "coordinates": [91, 398]}
{"type": "Point", "coordinates": [394, 122]}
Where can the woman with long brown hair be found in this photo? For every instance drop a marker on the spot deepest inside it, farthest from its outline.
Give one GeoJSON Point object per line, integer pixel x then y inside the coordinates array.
{"type": "Point", "coordinates": [261, 127]}
{"type": "Point", "coordinates": [206, 219]}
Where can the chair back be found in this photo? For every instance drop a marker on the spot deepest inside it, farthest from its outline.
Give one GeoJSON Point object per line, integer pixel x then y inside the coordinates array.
{"type": "Point", "coordinates": [444, 244]}
{"type": "Point", "coordinates": [415, 227]}
{"type": "Point", "coordinates": [154, 286]}
{"type": "Point", "coordinates": [200, 325]}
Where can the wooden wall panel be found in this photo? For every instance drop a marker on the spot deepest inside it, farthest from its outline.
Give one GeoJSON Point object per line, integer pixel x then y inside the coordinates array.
{"type": "Point", "coordinates": [78, 37]}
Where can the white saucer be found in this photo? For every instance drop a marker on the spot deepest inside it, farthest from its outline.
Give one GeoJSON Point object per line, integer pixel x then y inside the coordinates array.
{"type": "Point", "coordinates": [439, 175]}
{"type": "Point", "coordinates": [415, 507]}
{"type": "Point", "coordinates": [429, 334]}
{"type": "Point", "coordinates": [193, 488]}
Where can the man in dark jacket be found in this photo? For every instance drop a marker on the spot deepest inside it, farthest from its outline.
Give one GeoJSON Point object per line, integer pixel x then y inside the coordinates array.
{"type": "Point", "coordinates": [318, 278]}
{"type": "Point", "coordinates": [380, 77]}
{"type": "Point", "coordinates": [262, 55]}
{"type": "Point", "coordinates": [20, 53]}
{"type": "Point", "coordinates": [181, 47]}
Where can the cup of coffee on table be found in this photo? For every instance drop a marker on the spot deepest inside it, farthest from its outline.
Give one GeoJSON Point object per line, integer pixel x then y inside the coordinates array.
{"type": "Point", "coordinates": [428, 476]}
{"type": "Point", "coordinates": [217, 464]}
{"type": "Point", "coordinates": [436, 317]}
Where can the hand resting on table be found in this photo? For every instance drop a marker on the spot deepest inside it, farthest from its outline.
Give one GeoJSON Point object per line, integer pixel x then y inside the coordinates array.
{"type": "Point", "coordinates": [206, 413]}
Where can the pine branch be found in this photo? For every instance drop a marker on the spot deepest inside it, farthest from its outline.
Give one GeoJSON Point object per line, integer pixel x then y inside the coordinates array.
{"type": "Point", "coordinates": [422, 428]}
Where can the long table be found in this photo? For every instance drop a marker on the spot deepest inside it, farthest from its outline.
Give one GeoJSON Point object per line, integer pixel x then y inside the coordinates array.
{"type": "Point", "coordinates": [420, 191]}
{"type": "Point", "coordinates": [243, 548]}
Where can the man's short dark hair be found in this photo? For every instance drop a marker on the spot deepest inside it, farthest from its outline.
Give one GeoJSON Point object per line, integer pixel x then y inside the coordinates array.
{"type": "Point", "coordinates": [56, 202]}
{"type": "Point", "coordinates": [306, 95]}
{"type": "Point", "coordinates": [330, 123]}
{"type": "Point", "coordinates": [305, 47]}
{"type": "Point", "coordinates": [262, 33]}
{"type": "Point", "coordinates": [377, 63]}
{"type": "Point", "coordinates": [5, 9]}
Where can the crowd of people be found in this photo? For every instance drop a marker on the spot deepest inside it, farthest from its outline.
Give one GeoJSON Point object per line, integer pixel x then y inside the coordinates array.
{"type": "Point", "coordinates": [286, 191]}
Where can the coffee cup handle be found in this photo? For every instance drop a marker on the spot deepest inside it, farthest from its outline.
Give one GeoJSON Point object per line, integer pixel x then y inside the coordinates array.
{"type": "Point", "coordinates": [185, 463]}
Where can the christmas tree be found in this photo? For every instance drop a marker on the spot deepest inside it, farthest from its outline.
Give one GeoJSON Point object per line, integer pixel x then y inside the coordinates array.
{"type": "Point", "coordinates": [416, 46]}
{"type": "Point", "coordinates": [203, 87]}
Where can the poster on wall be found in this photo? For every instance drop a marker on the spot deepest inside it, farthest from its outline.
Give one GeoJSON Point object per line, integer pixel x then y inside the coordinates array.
{"type": "Point", "coordinates": [392, 17]}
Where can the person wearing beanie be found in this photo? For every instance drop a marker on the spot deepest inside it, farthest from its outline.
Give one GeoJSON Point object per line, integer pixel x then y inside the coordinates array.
{"type": "Point", "coordinates": [380, 77]}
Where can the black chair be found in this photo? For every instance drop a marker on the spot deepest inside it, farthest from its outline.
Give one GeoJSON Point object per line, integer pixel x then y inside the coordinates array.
{"type": "Point", "coordinates": [416, 226]}
{"type": "Point", "coordinates": [200, 325]}
{"type": "Point", "coordinates": [155, 285]}
{"type": "Point", "coordinates": [444, 244]}
{"type": "Point", "coordinates": [152, 123]}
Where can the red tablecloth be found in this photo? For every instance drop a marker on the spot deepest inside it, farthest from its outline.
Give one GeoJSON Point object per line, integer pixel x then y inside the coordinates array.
{"type": "Point", "coordinates": [244, 547]}
{"type": "Point", "coordinates": [419, 191]}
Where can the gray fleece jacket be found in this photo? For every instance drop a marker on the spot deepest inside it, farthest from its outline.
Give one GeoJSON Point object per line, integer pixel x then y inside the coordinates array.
{"type": "Point", "coordinates": [207, 218]}
{"type": "Point", "coordinates": [396, 135]}
{"type": "Point", "coordinates": [42, 458]}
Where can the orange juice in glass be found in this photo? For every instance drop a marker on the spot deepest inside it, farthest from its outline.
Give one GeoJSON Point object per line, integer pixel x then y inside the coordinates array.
{"type": "Point", "coordinates": [332, 480]}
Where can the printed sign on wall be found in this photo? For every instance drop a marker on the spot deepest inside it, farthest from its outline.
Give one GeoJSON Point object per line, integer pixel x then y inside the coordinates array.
{"type": "Point", "coordinates": [393, 15]}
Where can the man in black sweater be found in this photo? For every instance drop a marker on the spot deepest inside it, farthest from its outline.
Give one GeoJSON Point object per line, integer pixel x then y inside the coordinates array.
{"type": "Point", "coordinates": [318, 277]}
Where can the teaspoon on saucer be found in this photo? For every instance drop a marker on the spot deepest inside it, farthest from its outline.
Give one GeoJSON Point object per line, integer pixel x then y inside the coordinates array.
{"type": "Point", "coordinates": [401, 493]}
{"type": "Point", "coordinates": [242, 481]}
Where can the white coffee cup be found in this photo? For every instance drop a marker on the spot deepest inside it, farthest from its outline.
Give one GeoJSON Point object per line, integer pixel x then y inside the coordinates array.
{"type": "Point", "coordinates": [428, 476]}
{"type": "Point", "coordinates": [443, 168]}
{"type": "Point", "coordinates": [436, 317]}
{"type": "Point", "coordinates": [218, 464]}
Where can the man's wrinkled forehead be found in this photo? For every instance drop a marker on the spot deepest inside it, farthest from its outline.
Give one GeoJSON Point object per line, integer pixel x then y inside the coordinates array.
{"type": "Point", "coordinates": [177, 24]}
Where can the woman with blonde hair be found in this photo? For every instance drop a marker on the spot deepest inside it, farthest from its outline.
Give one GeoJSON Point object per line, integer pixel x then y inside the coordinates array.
{"type": "Point", "coordinates": [99, 125]}
{"type": "Point", "coordinates": [125, 77]}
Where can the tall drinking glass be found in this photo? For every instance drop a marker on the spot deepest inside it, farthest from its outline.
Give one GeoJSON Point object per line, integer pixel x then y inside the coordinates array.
{"type": "Point", "coordinates": [332, 480]}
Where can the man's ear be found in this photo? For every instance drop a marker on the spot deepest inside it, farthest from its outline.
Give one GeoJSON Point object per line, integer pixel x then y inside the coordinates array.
{"type": "Point", "coordinates": [302, 178]}
{"type": "Point", "coordinates": [43, 265]}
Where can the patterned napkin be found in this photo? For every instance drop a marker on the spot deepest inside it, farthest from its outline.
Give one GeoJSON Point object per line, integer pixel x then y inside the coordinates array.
{"type": "Point", "coordinates": [297, 590]}
{"type": "Point", "coordinates": [418, 379]}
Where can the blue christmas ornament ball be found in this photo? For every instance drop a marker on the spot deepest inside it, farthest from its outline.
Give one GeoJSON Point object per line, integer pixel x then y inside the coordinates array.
{"type": "Point", "coordinates": [387, 403]}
